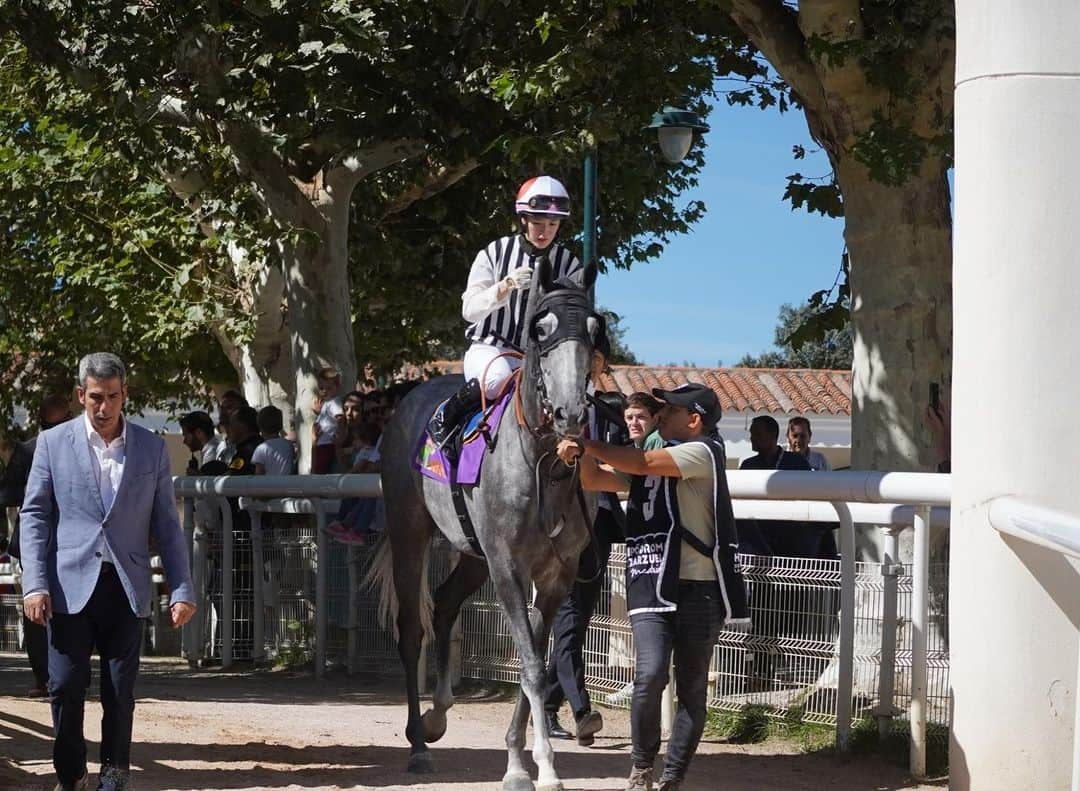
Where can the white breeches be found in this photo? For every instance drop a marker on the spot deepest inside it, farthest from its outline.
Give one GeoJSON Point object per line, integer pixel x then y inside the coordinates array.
{"type": "Point", "coordinates": [481, 356]}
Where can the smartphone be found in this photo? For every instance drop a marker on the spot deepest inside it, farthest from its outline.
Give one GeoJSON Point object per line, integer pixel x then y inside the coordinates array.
{"type": "Point", "coordinates": [935, 398]}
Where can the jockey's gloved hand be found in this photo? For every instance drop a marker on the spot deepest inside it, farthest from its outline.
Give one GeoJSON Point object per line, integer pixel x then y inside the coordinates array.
{"type": "Point", "coordinates": [520, 277]}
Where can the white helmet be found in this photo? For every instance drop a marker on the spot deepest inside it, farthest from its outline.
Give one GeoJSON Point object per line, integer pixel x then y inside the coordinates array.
{"type": "Point", "coordinates": [543, 196]}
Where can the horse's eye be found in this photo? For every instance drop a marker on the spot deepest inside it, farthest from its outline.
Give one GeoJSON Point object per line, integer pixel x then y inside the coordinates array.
{"type": "Point", "coordinates": [546, 325]}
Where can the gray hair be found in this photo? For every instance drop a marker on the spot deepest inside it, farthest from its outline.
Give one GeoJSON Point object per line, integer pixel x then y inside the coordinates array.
{"type": "Point", "coordinates": [101, 366]}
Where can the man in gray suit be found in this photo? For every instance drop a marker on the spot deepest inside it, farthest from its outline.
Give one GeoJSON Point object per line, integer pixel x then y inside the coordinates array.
{"type": "Point", "coordinates": [99, 488]}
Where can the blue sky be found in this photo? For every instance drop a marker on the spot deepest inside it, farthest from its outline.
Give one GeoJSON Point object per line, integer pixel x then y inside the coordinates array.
{"type": "Point", "coordinates": [714, 293]}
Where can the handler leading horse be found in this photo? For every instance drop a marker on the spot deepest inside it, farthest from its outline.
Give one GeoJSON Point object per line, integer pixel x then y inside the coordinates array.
{"type": "Point", "coordinates": [530, 520]}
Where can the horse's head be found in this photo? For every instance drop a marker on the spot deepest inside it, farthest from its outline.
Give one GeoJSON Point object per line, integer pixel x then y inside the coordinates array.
{"type": "Point", "coordinates": [563, 331]}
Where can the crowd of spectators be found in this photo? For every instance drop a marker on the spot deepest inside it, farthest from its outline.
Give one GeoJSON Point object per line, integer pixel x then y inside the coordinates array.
{"type": "Point", "coordinates": [347, 433]}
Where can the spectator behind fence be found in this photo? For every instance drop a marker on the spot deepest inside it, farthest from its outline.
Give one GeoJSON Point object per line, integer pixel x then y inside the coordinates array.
{"type": "Point", "coordinates": [230, 401]}
{"type": "Point", "coordinates": [345, 442]}
{"type": "Point", "coordinates": [356, 517]}
{"type": "Point", "coordinates": [275, 455]}
{"type": "Point", "coordinates": [640, 417]}
{"type": "Point", "coordinates": [86, 563]}
{"type": "Point", "coordinates": [768, 536]}
{"type": "Point", "coordinates": [329, 421]}
{"type": "Point", "coordinates": [54, 410]}
{"type": "Point", "coordinates": [566, 667]}
{"type": "Point", "coordinates": [197, 430]}
{"type": "Point", "coordinates": [798, 437]}
{"type": "Point", "coordinates": [937, 417]}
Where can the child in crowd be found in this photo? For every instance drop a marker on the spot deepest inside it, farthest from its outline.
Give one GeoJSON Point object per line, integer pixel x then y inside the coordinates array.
{"type": "Point", "coordinates": [276, 455]}
{"type": "Point", "coordinates": [356, 515]}
{"type": "Point", "coordinates": [330, 421]}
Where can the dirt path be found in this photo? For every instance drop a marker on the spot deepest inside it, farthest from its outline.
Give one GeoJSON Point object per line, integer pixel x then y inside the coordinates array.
{"type": "Point", "coordinates": [277, 730]}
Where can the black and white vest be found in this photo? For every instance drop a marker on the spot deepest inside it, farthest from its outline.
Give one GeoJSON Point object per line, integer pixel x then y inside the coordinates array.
{"type": "Point", "coordinates": [505, 255]}
{"type": "Point", "coordinates": [655, 537]}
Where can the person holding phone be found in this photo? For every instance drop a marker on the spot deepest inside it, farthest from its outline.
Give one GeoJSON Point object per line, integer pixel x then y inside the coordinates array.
{"type": "Point", "coordinates": [937, 417]}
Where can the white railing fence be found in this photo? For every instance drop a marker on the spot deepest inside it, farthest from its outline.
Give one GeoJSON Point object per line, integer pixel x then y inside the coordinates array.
{"type": "Point", "coordinates": [292, 586]}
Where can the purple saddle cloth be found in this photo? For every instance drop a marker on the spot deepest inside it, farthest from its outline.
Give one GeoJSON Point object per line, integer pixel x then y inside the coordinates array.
{"type": "Point", "coordinates": [433, 463]}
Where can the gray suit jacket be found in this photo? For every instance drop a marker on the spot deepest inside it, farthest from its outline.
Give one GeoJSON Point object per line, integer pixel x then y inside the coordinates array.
{"type": "Point", "coordinates": [62, 520]}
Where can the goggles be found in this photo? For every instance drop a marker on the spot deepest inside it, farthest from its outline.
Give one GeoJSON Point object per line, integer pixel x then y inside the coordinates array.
{"type": "Point", "coordinates": [549, 203]}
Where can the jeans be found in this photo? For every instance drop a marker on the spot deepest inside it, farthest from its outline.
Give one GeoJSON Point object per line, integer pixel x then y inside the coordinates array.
{"type": "Point", "coordinates": [691, 632]}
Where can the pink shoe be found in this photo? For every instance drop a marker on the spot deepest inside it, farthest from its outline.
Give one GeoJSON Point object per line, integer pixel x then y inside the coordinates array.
{"type": "Point", "coordinates": [352, 538]}
{"type": "Point", "coordinates": [337, 528]}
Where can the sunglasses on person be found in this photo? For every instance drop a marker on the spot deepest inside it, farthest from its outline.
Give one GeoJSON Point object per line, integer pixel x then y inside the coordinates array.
{"type": "Point", "coordinates": [549, 203]}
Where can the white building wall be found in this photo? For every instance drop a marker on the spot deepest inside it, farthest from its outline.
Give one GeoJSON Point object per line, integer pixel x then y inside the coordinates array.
{"type": "Point", "coordinates": [1014, 608]}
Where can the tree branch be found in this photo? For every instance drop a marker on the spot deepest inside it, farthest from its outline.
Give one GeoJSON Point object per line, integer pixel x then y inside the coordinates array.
{"type": "Point", "coordinates": [773, 28]}
{"type": "Point", "coordinates": [354, 166]}
{"type": "Point", "coordinates": [438, 181]}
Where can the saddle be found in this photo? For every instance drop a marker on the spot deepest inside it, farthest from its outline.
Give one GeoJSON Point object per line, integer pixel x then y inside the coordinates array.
{"type": "Point", "coordinates": [457, 463]}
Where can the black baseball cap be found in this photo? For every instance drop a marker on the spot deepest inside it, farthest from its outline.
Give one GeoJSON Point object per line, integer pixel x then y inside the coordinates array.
{"type": "Point", "coordinates": [696, 398]}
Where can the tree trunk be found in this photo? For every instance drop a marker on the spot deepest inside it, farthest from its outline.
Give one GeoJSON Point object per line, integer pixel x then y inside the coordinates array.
{"type": "Point", "coordinates": [899, 241]}
{"type": "Point", "coordinates": [320, 314]}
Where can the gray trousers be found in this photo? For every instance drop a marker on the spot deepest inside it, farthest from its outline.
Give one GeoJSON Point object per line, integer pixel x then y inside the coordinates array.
{"type": "Point", "coordinates": [690, 632]}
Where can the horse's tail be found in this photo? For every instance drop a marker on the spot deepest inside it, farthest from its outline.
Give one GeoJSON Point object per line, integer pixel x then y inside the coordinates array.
{"type": "Point", "coordinates": [380, 578]}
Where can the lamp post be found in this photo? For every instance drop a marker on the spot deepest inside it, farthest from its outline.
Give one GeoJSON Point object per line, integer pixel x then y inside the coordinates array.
{"type": "Point", "coordinates": [675, 128]}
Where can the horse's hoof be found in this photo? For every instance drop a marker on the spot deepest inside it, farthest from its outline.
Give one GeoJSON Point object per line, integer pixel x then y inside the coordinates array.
{"type": "Point", "coordinates": [434, 722]}
{"type": "Point", "coordinates": [520, 782]}
{"type": "Point", "coordinates": [421, 763]}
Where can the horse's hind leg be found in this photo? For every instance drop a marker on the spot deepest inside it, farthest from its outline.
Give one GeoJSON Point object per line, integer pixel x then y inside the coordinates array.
{"type": "Point", "coordinates": [466, 578]}
{"type": "Point", "coordinates": [410, 555]}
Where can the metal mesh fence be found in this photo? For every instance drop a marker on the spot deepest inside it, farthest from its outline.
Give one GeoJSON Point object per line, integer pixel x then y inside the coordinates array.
{"type": "Point", "coordinates": [786, 662]}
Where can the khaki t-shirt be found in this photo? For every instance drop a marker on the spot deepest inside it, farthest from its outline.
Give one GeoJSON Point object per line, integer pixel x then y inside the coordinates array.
{"type": "Point", "coordinates": [696, 507]}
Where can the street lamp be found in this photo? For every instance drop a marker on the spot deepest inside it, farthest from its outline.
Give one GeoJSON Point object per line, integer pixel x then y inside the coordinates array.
{"type": "Point", "coordinates": [675, 129]}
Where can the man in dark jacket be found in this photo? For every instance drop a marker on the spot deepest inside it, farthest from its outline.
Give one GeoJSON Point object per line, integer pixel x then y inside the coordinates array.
{"type": "Point", "coordinates": [54, 410]}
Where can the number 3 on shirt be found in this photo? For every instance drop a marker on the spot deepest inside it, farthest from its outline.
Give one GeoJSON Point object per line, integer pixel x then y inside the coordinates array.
{"type": "Point", "coordinates": [652, 484]}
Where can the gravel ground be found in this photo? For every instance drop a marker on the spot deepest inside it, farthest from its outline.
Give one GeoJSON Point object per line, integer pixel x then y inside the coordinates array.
{"type": "Point", "coordinates": [204, 729]}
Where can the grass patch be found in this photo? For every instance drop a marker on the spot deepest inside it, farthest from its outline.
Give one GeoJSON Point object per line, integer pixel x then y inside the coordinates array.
{"type": "Point", "coordinates": [755, 723]}
{"type": "Point", "coordinates": [895, 747]}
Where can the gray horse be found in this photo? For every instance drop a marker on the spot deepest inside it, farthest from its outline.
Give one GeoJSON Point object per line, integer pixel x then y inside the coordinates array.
{"type": "Point", "coordinates": [529, 519]}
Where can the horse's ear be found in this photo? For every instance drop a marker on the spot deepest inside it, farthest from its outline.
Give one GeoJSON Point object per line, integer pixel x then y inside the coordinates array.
{"type": "Point", "coordinates": [543, 272]}
{"type": "Point", "coordinates": [589, 278]}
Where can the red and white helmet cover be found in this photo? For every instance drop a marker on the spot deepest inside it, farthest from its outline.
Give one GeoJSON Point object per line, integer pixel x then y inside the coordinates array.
{"type": "Point", "coordinates": [543, 196]}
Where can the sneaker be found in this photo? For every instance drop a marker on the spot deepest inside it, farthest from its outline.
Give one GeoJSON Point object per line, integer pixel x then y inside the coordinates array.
{"type": "Point", "coordinates": [669, 784]}
{"type": "Point", "coordinates": [112, 778]}
{"type": "Point", "coordinates": [640, 780]}
{"type": "Point", "coordinates": [621, 697]}
{"type": "Point", "coordinates": [337, 528]}
{"type": "Point", "coordinates": [351, 538]}
{"type": "Point", "coordinates": [37, 692]}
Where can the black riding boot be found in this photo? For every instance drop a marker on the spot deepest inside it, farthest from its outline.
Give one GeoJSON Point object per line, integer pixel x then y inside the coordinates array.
{"type": "Point", "coordinates": [445, 421]}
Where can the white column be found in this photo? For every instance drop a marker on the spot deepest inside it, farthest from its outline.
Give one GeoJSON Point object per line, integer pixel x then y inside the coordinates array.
{"type": "Point", "coordinates": [1016, 389]}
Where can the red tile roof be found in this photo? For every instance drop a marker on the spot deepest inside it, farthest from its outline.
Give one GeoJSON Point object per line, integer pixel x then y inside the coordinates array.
{"type": "Point", "coordinates": [785, 390]}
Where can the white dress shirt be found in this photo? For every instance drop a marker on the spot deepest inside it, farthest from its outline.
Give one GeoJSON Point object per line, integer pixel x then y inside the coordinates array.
{"type": "Point", "coordinates": [108, 463]}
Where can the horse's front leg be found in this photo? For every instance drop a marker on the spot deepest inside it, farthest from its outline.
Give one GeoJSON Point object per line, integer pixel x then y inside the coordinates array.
{"type": "Point", "coordinates": [511, 589]}
{"type": "Point", "coordinates": [541, 617]}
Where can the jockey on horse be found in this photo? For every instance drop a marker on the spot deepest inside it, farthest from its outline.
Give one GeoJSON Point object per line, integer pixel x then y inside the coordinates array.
{"type": "Point", "coordinates": [497, 293]}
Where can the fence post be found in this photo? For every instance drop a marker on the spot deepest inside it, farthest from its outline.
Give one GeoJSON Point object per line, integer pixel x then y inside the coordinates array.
{"type": "Point", "coordinates": [920, 584]}
{"type": "Point", "coordinates": [890, 571]}
{"type": "Point", "coordinates": [322, 554]}
{"type": "Point", "coordinates": [847, 626]}
{"type": "Point", "coordinates": [191, 632]}
{"type": "Point", "coordinates": [226, 615]}
{"type": "Point", "coordinates": [258, 626]}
